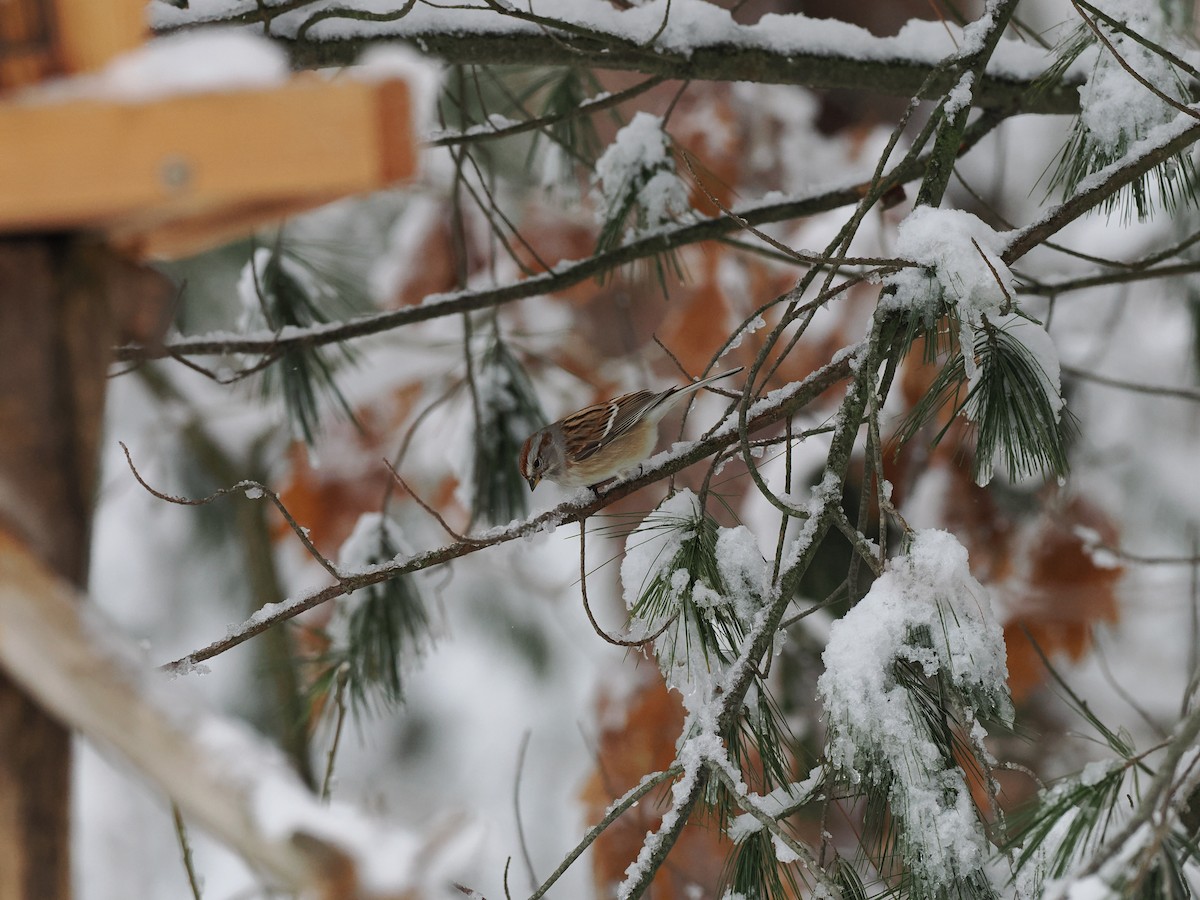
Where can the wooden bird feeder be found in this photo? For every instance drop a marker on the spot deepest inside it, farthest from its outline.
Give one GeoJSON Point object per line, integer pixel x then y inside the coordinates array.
{"type": "Point", "coordinates": [169, 177]}
{"type": "Point", "coordinates": [88, 179]}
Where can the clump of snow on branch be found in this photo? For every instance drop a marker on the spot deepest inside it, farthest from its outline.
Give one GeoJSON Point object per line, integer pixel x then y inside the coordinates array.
{"type": "Point", "coordinates": [1114, 108]}
{"type": "Point", "coordinates": [963, 255]}
{"type": "Point", "coordinates": [711, 580]}
{"type": "Point", "coordinates": [743, 570]}
{"type": "Point", "coordinates": [639, 161]}
{"type": "Point", "coordinates": [925, 611]}
{"type": "Point", "coordinates": [776, 804]}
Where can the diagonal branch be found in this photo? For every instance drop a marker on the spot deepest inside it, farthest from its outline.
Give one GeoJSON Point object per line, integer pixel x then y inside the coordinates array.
{"type": "Point", "coordinates": [1162, 144]}
{"type": "Point", "coordinates": [563, 276]}
{"type": "Point", "coordinates": [781, 405]}
{"type": "Point", "coordinates": [92, 678]}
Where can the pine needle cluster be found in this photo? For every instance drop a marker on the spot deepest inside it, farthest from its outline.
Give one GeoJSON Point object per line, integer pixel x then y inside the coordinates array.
{"type": "Point", "coordinates": [283, 288]}
{"type": "Point", "coordinates": [1013, 405]}
{"type": "Point", "coordinates": [911, 672]}
{"type": "Point", "coordinates": [376, 632]}
{"type": "Point", "coordinates": [697, 592]}
{"type": "Point", "coordinates": [1109, 127]}
{"type": "Point", "coordinates": [507, 411]}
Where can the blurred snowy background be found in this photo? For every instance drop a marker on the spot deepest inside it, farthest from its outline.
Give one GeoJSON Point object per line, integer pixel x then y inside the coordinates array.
{"type": "Point", "coordinates": [518, 724]}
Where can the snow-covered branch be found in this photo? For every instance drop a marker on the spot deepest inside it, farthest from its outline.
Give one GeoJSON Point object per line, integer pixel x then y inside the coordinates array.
{"type": "Point", "coordinates": [563, 275]}
{"type": "Point", "coordinates": [1156, 149]}
{"type": "Point", "coordinates": [700, 41]}
{"type": "Point", "coordinates": [775, 408]}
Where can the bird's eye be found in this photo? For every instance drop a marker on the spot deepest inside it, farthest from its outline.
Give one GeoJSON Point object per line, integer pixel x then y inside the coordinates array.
{"type": "Point", "coordinates": [537, 463]}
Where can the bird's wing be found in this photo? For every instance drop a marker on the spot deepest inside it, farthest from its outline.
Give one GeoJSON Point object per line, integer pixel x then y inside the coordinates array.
{"type": "Point", "coordinates": [586, 431]}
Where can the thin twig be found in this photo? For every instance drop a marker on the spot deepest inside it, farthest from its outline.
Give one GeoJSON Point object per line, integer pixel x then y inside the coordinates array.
{"type": "Point", "coordinates": [343, 12]}
{"type": "Point", "coordinates": [185, 849]}
{"type": "Point", "coordinates": [516, 799]}
{"type": "Point", "coordinates": [407, 440]}
{"type": "Point", "coordinates": [798, 256]}
{"type": "Point", "coordinates": [247, 488]}
{"type": "Point", "coordinates": [267, 360]}
{"type": "Point", "coordinates": [1157, 390]}
{"type": "Point", "coordinates": [540, 123]}
{"type": "Point", "coordinates": [858, 541]}
{"type": "Point", "coordinates": [587, 607]}
{"type": "Point", "coordinates": [1130, 274]}
{"type": "Point", "coordinates": [339, 701]}
{"type": "Point", "coordinates": [425, 506]}
{"type": "Point", "coordinates": [1141, 560]}
{"type": "Point", "coordinates": [618, 808]}
{"type": "Point", "coordinates": [1124, 64]}
{"type": "Point", "coordinates": [833, 597]}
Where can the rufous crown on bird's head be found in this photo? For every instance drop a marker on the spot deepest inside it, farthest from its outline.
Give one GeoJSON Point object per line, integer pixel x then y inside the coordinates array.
{"type": "Point", "coordinates": [532, 461]}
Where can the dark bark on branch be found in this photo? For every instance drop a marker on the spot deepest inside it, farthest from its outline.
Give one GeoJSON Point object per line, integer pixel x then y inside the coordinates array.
{"type": "Point", "coordinates": [719, 62]}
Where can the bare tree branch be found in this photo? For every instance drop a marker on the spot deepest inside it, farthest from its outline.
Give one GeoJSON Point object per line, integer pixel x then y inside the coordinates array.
{"type": "Point", "coordinates": [563, 276]}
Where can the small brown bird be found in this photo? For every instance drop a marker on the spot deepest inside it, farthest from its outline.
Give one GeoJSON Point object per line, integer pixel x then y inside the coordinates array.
{"type": "Point", "coordinates": [602, 441]}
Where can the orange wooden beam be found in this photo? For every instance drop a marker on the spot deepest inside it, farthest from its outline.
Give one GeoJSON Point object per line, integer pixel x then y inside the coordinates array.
{"type": "Point", "coordinates": [90, 33]}
{"type": "Point", "coordinates": [173, 176]}
{"type": "Point", "coordinates": [43, 38]}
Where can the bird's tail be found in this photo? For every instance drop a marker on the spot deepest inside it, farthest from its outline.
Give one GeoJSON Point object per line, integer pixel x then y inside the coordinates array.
{"type": "Point", "coordinates": [704, 382]}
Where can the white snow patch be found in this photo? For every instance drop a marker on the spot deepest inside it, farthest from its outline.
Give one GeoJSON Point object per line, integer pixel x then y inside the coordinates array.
{"type": "Point", "coordinates": [640, 158]}
{"type": "Point", "coordinates": [201, 61]}
{"type": "Point", "coordinates": [927, 610]}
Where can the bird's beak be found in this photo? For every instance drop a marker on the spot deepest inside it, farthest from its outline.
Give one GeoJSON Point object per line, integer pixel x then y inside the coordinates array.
{"type": "Point", "coordinates": [533, 481]}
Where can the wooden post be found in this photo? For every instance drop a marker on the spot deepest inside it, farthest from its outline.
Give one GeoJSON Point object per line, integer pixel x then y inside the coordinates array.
{"type": "Point", "coordinates": [56, 331]}
{"type": "Point", "coordinates": [53, 353]}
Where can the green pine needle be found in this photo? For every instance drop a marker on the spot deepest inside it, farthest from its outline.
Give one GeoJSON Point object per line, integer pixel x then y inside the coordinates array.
{"type": "Point", "coordinates": [386, 629]}
{"type": "Point", "coordinates": [753, 871]}
{"type": "Point", "coordinates": [564, 90]}
{"type": "Point", "coordinates": [294, 293]}
{"type": "Point", "coordinates": [1068, 822]}
{"type": "Point", "coordinates": [1014, 413]}
{"type": "Point", "coordinates": [1171, 184]}
{"type": "Point", "coordinates": [625, 215]}
{"type": "Point", "coordinates": [1010, 408]}
{"type": "Point", "coordinates": [717, 629]}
